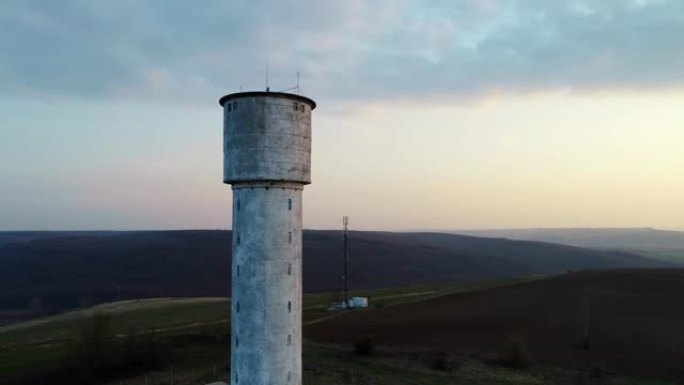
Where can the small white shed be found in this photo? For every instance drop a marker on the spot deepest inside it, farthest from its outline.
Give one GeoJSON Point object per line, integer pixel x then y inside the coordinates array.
{"type": "Point", "coordinates": [358, 302]}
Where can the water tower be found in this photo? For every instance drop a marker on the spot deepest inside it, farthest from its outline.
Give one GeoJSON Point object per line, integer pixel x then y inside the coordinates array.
{"type": "Point", "coordinates": [267, 160]}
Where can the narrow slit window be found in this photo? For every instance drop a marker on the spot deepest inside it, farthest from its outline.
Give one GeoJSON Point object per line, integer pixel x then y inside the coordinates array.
{"type": "Point", "coordinates": [238, 271]}
{"type": "Point", "coordinates": [230, 107]}
{"type": "Point", "coordinates": [289, 204]}
{"type": "Point", "coordinates": [289, 237]}
{"type": "Point", "coordinates": [238, 239]}
{"type": "Point", "coordinates": [289, 269]}
{"type": "Point", "coordinates": [236, 378]}
{"type": "Point", "coordinates": [237, 306]}
{"type": "Point", "coordinates": [289, 339]}
{"type": "Point", "coordinates": [289, 307]}
{"type": "Point", "coordinates": [301, 108]}
{"type": "Point", "coordinates": [237, 341]}
{"type": "Point", "coordinates": [238, 205]}
{"type": "Point", "coordinates": [295, 106]}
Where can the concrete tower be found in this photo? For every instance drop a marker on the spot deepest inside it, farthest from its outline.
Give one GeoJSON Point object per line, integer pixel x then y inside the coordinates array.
{"type": "Point", "coordinates": [267, 160]}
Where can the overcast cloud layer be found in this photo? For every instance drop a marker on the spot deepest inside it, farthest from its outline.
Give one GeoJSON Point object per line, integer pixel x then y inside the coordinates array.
{"type": "Point", "coordinates": [190, 52]}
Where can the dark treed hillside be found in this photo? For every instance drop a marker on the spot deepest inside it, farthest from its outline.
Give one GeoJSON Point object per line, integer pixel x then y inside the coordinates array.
{"type": "Point", "coordinates": [24, 236]}
{"type": "Point", "coordinates": [68, 270]}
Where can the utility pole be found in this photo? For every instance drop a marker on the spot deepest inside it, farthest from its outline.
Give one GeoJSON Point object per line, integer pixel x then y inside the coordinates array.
{"type": "Point", "coordinates": [345, 222]}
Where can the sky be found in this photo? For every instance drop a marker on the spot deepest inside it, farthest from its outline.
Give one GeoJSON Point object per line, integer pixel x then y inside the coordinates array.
{"type": "Point", "coordinates": [440, 115]}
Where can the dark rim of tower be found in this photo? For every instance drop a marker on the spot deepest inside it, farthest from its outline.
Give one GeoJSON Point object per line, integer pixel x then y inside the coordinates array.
{"type": "Point", "coordinates": [238, 95]}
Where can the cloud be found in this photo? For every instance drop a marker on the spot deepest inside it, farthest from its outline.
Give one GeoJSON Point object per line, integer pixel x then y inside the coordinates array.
{"type": "Point", "coordinates": [189, 52]}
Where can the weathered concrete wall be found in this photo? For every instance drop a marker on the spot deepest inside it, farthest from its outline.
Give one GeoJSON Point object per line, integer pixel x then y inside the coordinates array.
{"type": "Point", "coordinates": [267, 138]}
{"type": "Point", "coordinates": [267, 289]}
{"type": "Point", "coordinates": [267, 152]}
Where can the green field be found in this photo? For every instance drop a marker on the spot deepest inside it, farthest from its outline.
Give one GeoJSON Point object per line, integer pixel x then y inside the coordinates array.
{"type": "Point", "coordinates": [194, 336]}
{"type": "Point", "coordinates": [178, 316]}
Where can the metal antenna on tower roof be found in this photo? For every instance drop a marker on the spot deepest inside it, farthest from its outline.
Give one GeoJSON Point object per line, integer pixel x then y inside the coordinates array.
{"type": "Point", "coordinates": [298, 89]}
{"type": "Point", "coordinates": [267, 87]}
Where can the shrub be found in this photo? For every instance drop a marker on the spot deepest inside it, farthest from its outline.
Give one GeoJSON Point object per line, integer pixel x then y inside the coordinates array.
{"type": "Point", "coordinates": [141, 351]}
{"type": "Point", "coordinates": [515, 354]}
{"type": "Point", "coordinates": [598, 370]}
{"type": "Point", "coordinates": [585, 344]}
{"type": "Point", "coordinates": [364, 346]}
{"type": "Point", "coordinates": [348, 377]}
{"type": "Point", "coordinates": [438, 360]}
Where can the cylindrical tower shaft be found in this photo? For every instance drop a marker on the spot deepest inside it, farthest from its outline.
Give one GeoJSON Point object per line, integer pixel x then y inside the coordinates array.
{"type": "Point", "coordinates": [267, 152]}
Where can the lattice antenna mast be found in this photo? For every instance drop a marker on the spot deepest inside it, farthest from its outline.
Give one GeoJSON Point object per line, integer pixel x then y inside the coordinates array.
{"type": "Point", "coordinates": [345, 223]}
{"type": "Point", "coordinates": [297, 90]}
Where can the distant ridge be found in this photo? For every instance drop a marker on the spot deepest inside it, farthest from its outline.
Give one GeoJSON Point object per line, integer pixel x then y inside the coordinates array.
{"type": "Point", "coordinates": [57, 271]}
{"type": "Point", "coordinates": [645, 238]}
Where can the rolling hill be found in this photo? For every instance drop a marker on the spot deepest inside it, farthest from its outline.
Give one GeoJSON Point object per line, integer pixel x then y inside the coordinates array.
{"type": "Point", "coordinates": [637, 237]}
{"type": "Point", "coordinates": [634, 318]}
{"type": "Point", "coordinates": [52, 273]}
{"type": "Point", "coordinates": [661, 244]}
{"type": "Point", "coordinates": [194, 336]}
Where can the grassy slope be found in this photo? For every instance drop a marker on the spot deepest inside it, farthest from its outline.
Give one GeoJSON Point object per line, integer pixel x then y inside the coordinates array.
{"type": "Point", "coordinates": [25, 345]}
{"type": "Point", "coordinates": [335, 365]}
{"type": "Point", "coordinates": [188, 322]}
{"type": "Point", "coordinates": [634, 320]}
{"type": "Point", "coordinates": [162, 314]}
